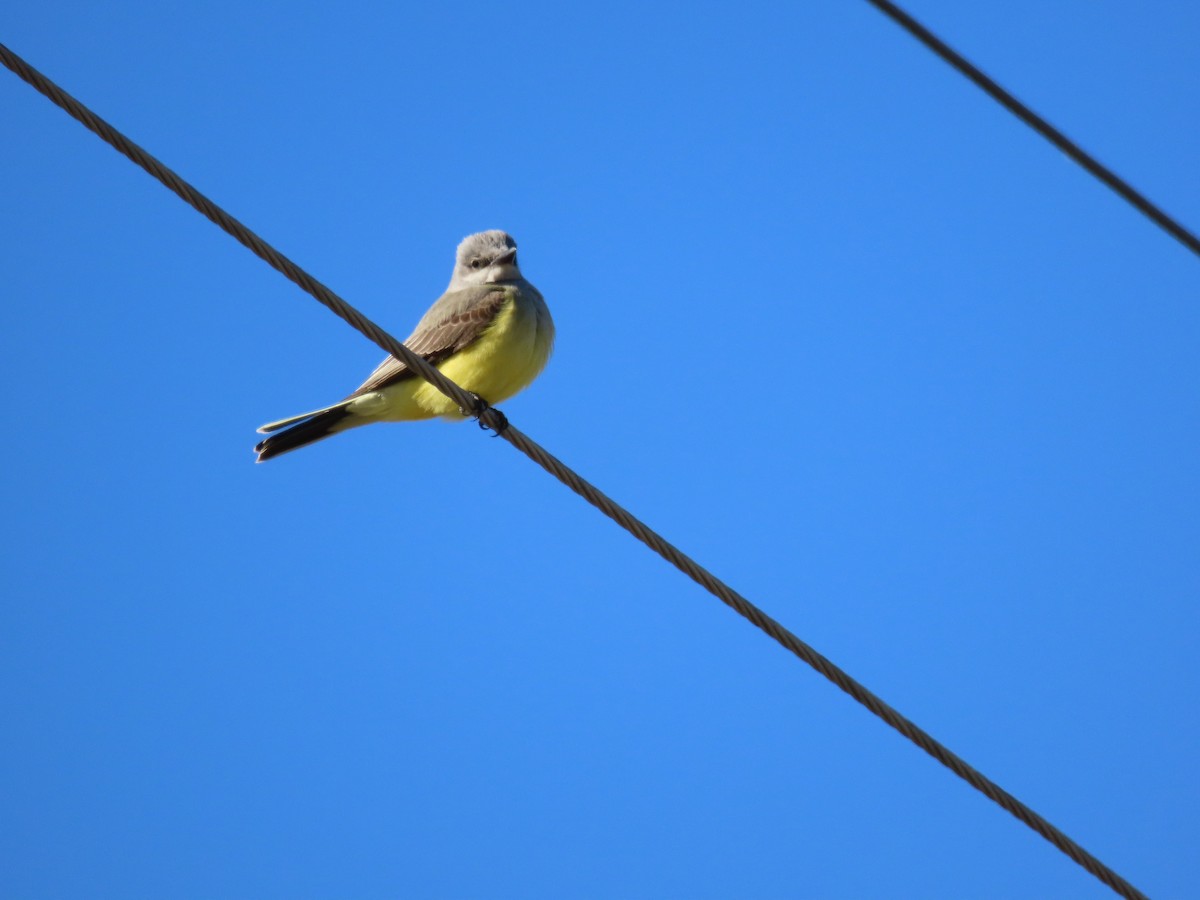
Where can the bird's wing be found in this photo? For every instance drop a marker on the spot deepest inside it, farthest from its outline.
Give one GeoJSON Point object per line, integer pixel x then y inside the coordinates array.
{"type": "Point", "coordinates": [454, 322]}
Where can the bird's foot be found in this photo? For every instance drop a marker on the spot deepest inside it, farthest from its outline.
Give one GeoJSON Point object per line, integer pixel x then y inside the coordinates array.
{"type": "Point", "coordinates": [479, 406]}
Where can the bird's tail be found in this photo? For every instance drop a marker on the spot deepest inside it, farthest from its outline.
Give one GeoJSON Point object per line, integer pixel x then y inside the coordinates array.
{"type": "Point", "coordinates": [306, 430]}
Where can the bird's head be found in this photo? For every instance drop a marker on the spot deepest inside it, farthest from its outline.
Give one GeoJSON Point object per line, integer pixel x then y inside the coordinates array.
{"type": "Point", "coordinates": [489, 257]}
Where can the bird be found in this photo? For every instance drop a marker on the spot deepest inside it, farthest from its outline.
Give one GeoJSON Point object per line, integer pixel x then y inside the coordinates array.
{"type": "Point", "coordinates": [490, 332]}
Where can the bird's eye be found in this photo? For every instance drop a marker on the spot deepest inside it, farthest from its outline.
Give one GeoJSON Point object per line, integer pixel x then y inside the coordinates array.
{"type": "Point", "coordinates": [476, 263]}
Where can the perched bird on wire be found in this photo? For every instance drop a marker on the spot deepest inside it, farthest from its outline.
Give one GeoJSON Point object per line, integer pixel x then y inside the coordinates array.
{"type": "Point", "coordinates": [490, 333]}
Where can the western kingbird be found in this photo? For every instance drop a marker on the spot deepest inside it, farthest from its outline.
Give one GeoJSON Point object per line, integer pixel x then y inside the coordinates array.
{"type": "Point", "coordinates": [490, 333]}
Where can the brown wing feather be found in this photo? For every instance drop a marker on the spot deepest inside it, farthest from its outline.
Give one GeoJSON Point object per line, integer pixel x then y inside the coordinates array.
{"type": "Point", "coordinates": [439, 340]}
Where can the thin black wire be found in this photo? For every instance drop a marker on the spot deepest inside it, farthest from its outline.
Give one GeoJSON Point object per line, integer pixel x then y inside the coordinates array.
{"type": "Point", "coordinates": [1038, 124]}
{"type": "Point", "coordinates": [571, 479]}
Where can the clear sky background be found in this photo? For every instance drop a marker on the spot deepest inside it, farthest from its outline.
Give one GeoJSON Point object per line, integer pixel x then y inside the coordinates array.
{"type": "Point", "coordinates": [834, 322]}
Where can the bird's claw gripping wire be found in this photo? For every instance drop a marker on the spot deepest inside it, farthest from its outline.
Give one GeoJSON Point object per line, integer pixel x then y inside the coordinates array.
{"type": "Point", "coordinates": [479, 406]}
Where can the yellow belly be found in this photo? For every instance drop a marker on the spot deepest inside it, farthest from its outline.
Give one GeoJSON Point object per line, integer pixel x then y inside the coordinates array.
{"type": "Point", "coordinates": [505, 359]}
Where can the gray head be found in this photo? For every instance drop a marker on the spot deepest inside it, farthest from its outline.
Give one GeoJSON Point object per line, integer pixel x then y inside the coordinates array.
{"type": "Point", "coordinates": [489, 257]}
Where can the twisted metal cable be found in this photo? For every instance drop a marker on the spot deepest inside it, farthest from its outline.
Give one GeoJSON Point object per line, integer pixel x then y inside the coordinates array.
{"type": "Point", "coordinates": [1038, 124]}
{"type": "Point", "coordinates": [495, 420]}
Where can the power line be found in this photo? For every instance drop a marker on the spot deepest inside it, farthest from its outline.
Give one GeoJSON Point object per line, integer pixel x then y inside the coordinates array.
{"type": "Point", "coordinates": [494, 419]}
{"type": "Point", "coordinates": [1038, 124]}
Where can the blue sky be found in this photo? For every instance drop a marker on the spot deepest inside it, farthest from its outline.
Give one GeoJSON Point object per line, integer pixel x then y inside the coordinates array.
{"type": "Point", "coordinates": [828, 318]}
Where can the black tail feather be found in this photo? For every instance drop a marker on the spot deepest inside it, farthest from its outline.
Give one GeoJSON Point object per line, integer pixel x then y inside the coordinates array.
{"type": "Point", "coordinates": [320, 426]}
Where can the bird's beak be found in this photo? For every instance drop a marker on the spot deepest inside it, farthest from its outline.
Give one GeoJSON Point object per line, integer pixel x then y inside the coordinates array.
{"type": "Point", "coordinates": [504, 268]}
